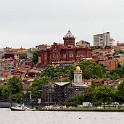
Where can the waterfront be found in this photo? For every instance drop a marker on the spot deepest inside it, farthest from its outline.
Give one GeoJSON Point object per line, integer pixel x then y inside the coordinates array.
{"type": "Point", "coordinates": [59, 117]}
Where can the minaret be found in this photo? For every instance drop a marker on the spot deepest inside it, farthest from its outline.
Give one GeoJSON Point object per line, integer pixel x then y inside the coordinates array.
{"type": "Point", "coordinates": [78, 75]}
{"type": "Point", "coordinates": [69, 39]}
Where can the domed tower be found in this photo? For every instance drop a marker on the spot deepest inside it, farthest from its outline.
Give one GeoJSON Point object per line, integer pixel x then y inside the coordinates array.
{"type": "Point", "coordinates": [78, 75]}
{"type": "Point", "coordinates": [69, 39]}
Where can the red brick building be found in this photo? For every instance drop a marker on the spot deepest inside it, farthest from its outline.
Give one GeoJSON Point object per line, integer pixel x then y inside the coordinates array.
{"type": "Point", "coordinates": [64, 53]}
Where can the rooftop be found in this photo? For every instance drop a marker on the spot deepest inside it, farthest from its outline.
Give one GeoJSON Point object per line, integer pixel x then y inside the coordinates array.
{"type": "Point", "coordinates": [69, 35]}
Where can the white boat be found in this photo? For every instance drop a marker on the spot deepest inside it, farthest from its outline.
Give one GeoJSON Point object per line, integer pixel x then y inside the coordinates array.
{"type": "Point", "coordinates": [21, 108]}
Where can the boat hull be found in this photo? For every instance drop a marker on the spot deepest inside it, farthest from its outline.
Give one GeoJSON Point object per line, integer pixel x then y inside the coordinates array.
{"type": "Point", "coordinates": [15, 109]}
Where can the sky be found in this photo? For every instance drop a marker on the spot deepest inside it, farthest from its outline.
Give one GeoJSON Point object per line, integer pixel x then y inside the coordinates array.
{"type": "Point", "coordinates": [28, 23]}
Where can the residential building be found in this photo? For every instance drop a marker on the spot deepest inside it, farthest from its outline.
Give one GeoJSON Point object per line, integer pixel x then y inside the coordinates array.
{"type": "Point", "coordinates": [119, 47]}
{"type": "Point", "coordinates": [109, 64]}
{"type": "Point", "coordinates": [120, 59]}
{"type": "Point", "coordinates": [103, 40]}
{"type": "Point", "coordinates": [83, 44]}
{"type": "Point", "coordinates": [43, 46]}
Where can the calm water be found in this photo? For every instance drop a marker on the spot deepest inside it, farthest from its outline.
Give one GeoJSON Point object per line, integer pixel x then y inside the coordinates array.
{"type": "Point", "coordinates": [45, 117]}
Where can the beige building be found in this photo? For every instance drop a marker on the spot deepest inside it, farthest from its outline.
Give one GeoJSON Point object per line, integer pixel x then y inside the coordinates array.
{"type": "Point", "coordinates": [119, 46]}
{"type": "Point", "coordinates": [120, 59]}
{"type": "Point", "coordinates": [103, 39]}
{"type": "Point", "coordinates": [83, 44]}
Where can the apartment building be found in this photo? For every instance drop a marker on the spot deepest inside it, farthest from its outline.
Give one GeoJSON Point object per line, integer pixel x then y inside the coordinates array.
{"type": "Point", "coordinates": [103, 40]}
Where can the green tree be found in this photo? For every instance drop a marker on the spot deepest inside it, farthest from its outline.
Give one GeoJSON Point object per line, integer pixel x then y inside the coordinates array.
{"type": "Point", "coordinates": [36, 54]}
{"type": "Point", "coordinates": [23, 56]}
{"type": "Point", "coordinates": [88, 95]}
{"type": "Point", "coordinates": [73, 101]}
{"type": "Point", "coordinates": [49, 72]}
{"type": "Point", "coordinates": [37, 86]}
{"type": "Point", "coordinates": [15, 85]}
{"type": "Point", "coordinates": [108, 47]}
{"type": "Point", "coordinates": [102, 94]}
{"type": "Point", "coordinates": [6, 92]}
{"type": "Point", "coordinates": [115, 76]}
{"type": "Point", "coordinates": [119, 72]}
{"type": "Point", "coordinates": [1, 95]}
{"type": "Point", "coordinates": [121, 52]}
{"type": "Point", "coordinates": [70, 71]}
{"type": "Point", "coordinates": [120, 92]}
{"type": "Point", "coordinates": [91, 69]}
{"type": "Point", "coordinates": [19, 97]}
{"type": "Point", "coordinates": [56, 73]}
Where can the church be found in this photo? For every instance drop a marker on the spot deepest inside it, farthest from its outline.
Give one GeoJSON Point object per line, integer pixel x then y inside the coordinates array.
{"type": "Point", "coordinates": [66, 53]}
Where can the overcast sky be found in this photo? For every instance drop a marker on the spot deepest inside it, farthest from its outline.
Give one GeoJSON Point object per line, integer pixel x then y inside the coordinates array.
{"type": "Point", "coordinates": [28, 23]}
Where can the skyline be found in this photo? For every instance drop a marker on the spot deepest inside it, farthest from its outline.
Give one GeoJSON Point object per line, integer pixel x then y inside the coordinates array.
{"type": "Point", "coordinates": [30, 23]}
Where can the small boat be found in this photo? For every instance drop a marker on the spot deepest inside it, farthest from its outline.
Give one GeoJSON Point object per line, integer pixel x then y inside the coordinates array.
{"type": "Point", "coordinates": [21, 108]}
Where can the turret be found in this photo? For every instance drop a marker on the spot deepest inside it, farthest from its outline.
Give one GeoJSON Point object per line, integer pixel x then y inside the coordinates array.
{"type": "Point", "coordinates": [69, 39]}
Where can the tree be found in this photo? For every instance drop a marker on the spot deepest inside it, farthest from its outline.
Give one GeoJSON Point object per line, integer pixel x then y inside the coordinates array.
{"type": "Point", "coordinates": [1, 95]}
{"type": "Point", "coordinates": [115, 76]}
{"type": "Point", "coordinates": [119, 71]}
{"type": "Point", "coordinates": [108, 47]}
{"type": "Point", "coordinates": [15, 85]}
{"type": "Point", "coordinates": [23, 56]}
{"type": "Point", "coordinates": [120, 92]}
{"type": "Point", "coordinates": [73, 101]}
{"type": "Point", "coordinates": [36, 54]}
{"type": "Point", "coordinates": [121, 52]}
{"type": "Point", "coordinates": [88, 95]}
{"type": "Point", "coordinates": [56, 73]}
{"type": "Point", "coordinates": [49, 72]}
{"type": "Point", "coordinates": [102, 94]}
{"type": "Point", "coordinates": [37, 86]}
{"type": "Point", "coordinates": [5, 92]}
{"type": "Point", "coordinates": [91, 69]}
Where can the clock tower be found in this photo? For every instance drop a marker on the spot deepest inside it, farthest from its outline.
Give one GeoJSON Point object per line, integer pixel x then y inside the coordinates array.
{"type": "Point", "coordinates": [78, 75]}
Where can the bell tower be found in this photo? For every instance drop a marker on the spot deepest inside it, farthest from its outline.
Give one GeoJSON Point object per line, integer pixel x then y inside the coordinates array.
{"type": "Point", "coordinates": [69, 39]}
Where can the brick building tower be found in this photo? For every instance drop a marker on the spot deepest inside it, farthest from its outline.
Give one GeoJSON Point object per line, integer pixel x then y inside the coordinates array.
{"type": "Point", "coordinates": [64, 54]}
{"type": "Point", "coordinates": [69, 39]}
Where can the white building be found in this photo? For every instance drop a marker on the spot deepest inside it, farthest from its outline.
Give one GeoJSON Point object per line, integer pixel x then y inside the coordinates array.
{"type": "Point", "coordinates": [103, 39]}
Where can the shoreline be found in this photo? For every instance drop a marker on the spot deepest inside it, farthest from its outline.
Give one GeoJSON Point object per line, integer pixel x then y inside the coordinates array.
{"type": "Point", "coordinates": [84, 109]}
{"type": "Point", "coordinates": [78, 109]}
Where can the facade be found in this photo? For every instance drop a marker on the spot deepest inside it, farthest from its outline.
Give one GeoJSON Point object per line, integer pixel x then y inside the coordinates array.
{"type": "Point", "coordinates": [103, 40]}
{"type": "Point", "coordinates": [64, 53]}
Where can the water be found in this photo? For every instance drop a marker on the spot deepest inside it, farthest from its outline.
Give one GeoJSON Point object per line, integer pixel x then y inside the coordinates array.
{"type": "Point", "coordinates": [53, 117]}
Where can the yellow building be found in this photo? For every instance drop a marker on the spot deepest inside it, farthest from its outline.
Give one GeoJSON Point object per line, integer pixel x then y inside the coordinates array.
{"type": "Point", "coordinates": [120, 58]}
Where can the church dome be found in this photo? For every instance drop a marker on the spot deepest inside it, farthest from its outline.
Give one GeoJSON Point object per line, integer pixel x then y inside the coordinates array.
{"type": "Point", "coordinates": [69, 35]}
{"type": "Point", "coordinates": [78, 68]}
